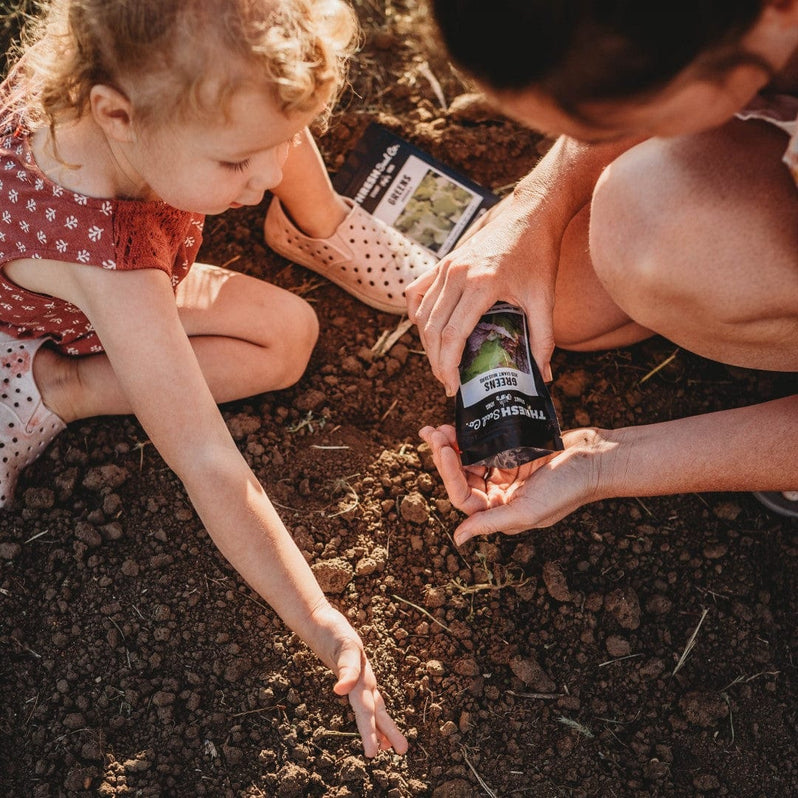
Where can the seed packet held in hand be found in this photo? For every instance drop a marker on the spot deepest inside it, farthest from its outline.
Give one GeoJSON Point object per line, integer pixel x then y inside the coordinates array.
{"type": "Point", "coordinates": [504, 413]}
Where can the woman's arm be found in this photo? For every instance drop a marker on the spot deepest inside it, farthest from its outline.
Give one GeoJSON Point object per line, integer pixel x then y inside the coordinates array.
{"type": "Point", "coordinates": [512, 255]}
{"type": "Point", "coordinates": [747, 448]}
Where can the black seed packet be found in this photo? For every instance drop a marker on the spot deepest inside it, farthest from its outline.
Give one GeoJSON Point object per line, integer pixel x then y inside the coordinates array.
{"type": "Point", "coordinates": [504, 413]}
{"type": "Point", "coordinates": [405, 187]}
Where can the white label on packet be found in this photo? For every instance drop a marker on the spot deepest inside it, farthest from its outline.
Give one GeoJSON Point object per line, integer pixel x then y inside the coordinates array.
{"type": "Point", "coordinates": [495, 381]}
{"type": "Point", "coordinates": [448, 220]}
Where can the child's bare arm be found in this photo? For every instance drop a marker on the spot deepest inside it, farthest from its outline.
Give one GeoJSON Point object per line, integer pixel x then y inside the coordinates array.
{"type": "Point", "coordinates": [513, 255]}
{"type": "Point", "coordinates": [135, 316]}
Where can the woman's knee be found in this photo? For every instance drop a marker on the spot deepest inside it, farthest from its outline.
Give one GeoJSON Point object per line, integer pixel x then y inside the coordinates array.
{"type": "Point", "coordinates": [676, 225]}
{"type": "Point", "coordinates": [631, 227]}
{"type": "Point", "coordinates": [653, 218]}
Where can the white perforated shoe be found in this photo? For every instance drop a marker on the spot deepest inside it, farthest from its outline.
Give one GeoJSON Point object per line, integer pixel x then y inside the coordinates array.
{"type": "Point", "coordinates": [365, 256]}
{"type": "Point", "coordinates": [26, 425]}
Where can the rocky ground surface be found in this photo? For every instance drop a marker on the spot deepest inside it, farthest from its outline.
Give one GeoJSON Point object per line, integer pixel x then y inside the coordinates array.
{"type": "Point", "coordinates": [637, 648]}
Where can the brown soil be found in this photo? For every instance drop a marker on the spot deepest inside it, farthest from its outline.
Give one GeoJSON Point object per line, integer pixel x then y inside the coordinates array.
{"type": "Point", "coordinates": [134, 661]}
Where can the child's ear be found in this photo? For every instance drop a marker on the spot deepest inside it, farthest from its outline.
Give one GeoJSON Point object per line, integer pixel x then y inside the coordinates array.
{"type": "Point", "coordinates": [113, 112]}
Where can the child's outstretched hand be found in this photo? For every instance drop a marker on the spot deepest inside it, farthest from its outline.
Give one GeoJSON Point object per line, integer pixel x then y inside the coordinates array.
{"type": "Point", "coordinates": [536, 494]}
{"type": "Point", "coordinates": [356, 679]}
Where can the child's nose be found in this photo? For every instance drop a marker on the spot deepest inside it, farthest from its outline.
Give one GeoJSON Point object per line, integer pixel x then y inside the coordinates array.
{"type": "Point", "coordinates": [266, 178]}
{"type": "Point", "coordinates": [269, 173]}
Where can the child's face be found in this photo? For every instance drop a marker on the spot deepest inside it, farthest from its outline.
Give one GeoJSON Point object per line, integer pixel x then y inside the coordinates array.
{"type": "Point", "coordinates": [232, 160]}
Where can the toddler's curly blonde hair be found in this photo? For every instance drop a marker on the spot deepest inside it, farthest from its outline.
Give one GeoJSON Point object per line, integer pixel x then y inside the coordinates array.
{"type": "Point", "coordinates": [164, 53]}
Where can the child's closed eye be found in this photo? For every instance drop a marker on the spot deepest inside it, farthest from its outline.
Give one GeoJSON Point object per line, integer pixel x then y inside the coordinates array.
{"type": "Point", "coordinates": [236, 166]}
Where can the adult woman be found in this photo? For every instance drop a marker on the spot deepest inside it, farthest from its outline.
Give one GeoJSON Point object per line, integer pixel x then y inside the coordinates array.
{"type": "Point", "coordinates": [658, 210]}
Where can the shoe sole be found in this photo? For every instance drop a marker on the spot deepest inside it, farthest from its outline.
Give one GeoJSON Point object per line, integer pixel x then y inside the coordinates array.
{"type": "Point", "coordinates": [778, 503]}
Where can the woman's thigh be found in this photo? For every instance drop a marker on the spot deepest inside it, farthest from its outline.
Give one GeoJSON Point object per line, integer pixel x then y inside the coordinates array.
{"type": "Point", "coordinates": [696, 238]}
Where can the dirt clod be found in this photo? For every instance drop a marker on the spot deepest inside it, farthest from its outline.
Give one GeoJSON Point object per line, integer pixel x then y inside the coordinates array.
{"type": "Point", "coordinates": [704, 709]}
{"type": "Point", "coordinates": [333, 575]}
{"type": "Point", "coordinates": [414, 508]}
{"type": "Point", "coordinates": [532, 675]}
{"type": "Point", "coordinates": [623, 605]}
{"type": "Point", "coordinates": [555, 581]}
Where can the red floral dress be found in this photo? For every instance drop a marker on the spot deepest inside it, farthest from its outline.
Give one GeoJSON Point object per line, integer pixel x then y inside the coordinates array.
{"type": "Point", "coordinates": [40, 219]}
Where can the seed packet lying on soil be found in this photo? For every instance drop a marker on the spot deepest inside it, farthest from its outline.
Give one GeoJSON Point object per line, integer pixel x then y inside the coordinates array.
{"type": "Point", "coordinates": [405, 187]}
{"type": "Point", "coordinates": [504, 413]}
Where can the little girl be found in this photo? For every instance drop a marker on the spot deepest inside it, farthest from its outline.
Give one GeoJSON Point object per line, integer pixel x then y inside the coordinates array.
{"type": "Point", "coordinates": [123, 123]}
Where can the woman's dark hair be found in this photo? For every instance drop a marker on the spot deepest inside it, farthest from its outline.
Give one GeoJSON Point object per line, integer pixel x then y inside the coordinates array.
{"type": "Point", "coordinates": [576, 50]}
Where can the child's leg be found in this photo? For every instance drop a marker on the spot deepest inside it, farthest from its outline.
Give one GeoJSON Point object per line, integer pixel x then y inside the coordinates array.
{"type": "Point", "coordinates": [693, 238]}
{"type": "Point", "coordinates": [309, 223]}
{"type": "Point", "coordinates": [306, 192]}
{"type": "Point", "coordinates": [249, 336]}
